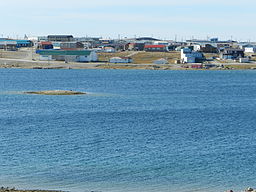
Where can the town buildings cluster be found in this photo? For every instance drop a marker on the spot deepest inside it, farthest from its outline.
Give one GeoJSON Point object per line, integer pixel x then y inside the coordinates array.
{"type": "Point", "coordinates": [84, 49]}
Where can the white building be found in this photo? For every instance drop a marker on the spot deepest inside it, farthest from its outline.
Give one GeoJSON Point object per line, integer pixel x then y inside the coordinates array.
{"type": "Point", "coordinates": [250, 49]}
{"type": "Point", "coordinates": [196, 47]}
{"type": "Point", "coordinates": [109, 50]}
{"type": "Point", "coordinates": [68, 55]}
{"type": "Point", "coordinates": [161, 61]}
{"type": "Point", "coordinates": [189, 56]}
{"type": "Point", "coordinates": [34, 39]}
{"type": "Point", "coordinates": [120, 60]}
{"type": "Point", "coordinates": [92, 57]}
{"type": "Point", "coordinates": [244, 60]}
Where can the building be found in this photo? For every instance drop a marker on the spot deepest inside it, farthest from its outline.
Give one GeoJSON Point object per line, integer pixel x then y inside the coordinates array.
{"type": "Point", "coordinates": [8, 45]}
{"type": "Point", "coordinates": [232, 53]}
{"type": "Point", "coordinates": [45, 45]}
{"type": "Point", "coordinates": [214, 42]}
{"type": "Point", "coordinates": [156, 48]}
{"type": "Point", "coordinates": [208, 48]}
{"type": "Point", "coordinates": [205, 48]}
{"type": "Point", "coordinates": [197, 66]}
{"type": "Point", "coordinates": [189, 56]}
{"type": "Point", "coordinates": [24, 43]}
{"type": "Point", "coordinates": [71, 45]}
{"type": "Point", "coordinates": [68, 55]}
{"type": "Point", "coordinates": [108, 50]}
{"type": "Point", "coordinates": [161, 61]}
{"type": "Point", "coordinates": [135, 46]}
{"type": "Point", "coordinates": [60, 38]}
{"type": "Point", "coordinates": [161, 43]}
{"type": "Point", "coordinates": [56, 45]}
{"type": "Point", "coordinates": [251, 49]}
{"type": "Point", "coordinates": [244, 60]}
{"type": "Point", "coordinates": [42, 38]}
{"type": "Point", "coordinates": [19, 43]}
{"type": "Point", "coordinates": [120, 60]}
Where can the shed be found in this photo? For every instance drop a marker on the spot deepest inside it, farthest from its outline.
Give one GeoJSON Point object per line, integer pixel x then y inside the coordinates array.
{"type": "Point", "coordinates": [120, 60]}
{"type": "Point", "coordinates": [161, 61]}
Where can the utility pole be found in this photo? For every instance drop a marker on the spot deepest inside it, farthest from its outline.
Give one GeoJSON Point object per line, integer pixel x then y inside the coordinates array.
{"type": "Point", "coordinates": [32, 52]}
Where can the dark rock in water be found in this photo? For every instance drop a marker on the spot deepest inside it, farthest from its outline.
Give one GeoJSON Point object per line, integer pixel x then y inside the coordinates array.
{"type": "Point", "coordinates": [55, 92]}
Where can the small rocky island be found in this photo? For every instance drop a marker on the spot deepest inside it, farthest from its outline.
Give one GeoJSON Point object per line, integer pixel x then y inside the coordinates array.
{"type": "Point", "coordinates": [56, 92]}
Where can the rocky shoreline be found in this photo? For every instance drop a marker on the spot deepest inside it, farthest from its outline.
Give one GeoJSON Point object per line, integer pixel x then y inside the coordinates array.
{"type": "Point", "coordinates": [27, 64]}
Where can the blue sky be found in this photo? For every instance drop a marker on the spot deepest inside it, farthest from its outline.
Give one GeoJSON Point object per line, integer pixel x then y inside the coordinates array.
{"type": "Point", "coordinates": [127, 18]}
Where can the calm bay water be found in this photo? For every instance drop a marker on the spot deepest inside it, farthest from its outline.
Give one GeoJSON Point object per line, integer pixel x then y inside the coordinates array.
{"type": "Point", "coordinates": [136, 130]}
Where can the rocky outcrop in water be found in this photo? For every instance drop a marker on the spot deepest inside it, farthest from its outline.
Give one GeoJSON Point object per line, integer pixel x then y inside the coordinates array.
{"type": "Point", "coordinates": [55, 92]}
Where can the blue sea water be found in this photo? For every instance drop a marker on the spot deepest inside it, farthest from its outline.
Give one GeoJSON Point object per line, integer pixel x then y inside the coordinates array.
{"type": "Point", "coordinates": [135, 130]}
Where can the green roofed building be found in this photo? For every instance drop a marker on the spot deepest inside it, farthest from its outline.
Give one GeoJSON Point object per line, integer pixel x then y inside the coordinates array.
{"type": "Point", "coordinates": [68, 55]}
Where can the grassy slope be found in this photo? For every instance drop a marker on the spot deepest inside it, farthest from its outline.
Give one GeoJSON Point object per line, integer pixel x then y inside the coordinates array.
{"type": "Point", "coordinates": [142, 57]}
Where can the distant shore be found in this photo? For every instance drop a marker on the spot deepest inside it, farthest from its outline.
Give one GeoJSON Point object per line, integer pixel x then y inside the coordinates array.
{"type": "Point", "coordinates": [7, 189]}
{"type": "Point", "coordinates": [29, 64]}
{"type": "Point", "coordinates": [3, 189]}
{"type": "Point", "coordinates": [25, 59]}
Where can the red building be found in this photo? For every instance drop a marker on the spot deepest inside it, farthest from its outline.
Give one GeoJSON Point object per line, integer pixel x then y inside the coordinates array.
{"type": "Point", "coordinates": [45, 45]}
{"type": "Point", "coordinates": [156, 48]}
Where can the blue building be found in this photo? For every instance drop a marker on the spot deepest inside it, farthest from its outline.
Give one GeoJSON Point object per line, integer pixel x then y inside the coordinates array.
{"type": "Point", "coordinates": [20, 43]}
{"type": "Point", "coordinates": [24, 43]}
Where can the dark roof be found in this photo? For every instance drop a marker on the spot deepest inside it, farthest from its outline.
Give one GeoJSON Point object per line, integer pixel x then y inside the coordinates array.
{"type": "Point", "coordinates": [146, 39]}
{"type": "Point", "coordinates": [233, 49]}
{"type": "Point", "coordinates": [64, 52]}
{"type": "Point", "coordinates": [65, 36]}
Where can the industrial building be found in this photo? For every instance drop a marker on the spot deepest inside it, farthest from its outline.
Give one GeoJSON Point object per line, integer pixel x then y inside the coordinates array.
{"type": "Point", "coordinates": [24, 43]}
{"type": "Point", "coordinates": [156, 48]}
{"type": "Point", "coordinates": [60, 38]}
{"type": "Point", "coordinates": [68, 55]}
{"type": "Point", "coordinates": [71, 45]}
{"type": "Point", "coordinates": [8, 45]}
